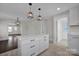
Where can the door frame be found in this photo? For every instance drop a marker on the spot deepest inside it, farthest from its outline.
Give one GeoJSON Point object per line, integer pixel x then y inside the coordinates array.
{"type": "Point", "coordinates": [57, 29]}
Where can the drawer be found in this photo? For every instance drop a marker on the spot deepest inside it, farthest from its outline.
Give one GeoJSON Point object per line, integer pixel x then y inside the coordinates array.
{"type": "Point", "coordinates": [34, 51]}
{"type": "Point", "coordinates": [29, 50]}
{"type": "Point", "coordinates": [29, 44]}
{"type": "Point", "coordinates": [32, 46]}
{"type": "Point", "coordinates": [25, 48]}
{"type": "Point", "coordinates": [34, 42]}
{"type": "Point", "coordinates": [29, 41]}
{"type": "Point", "coordinates": [24, 52]}
{"type": "Point", "coordinates": [29, 53]}
{"type": "Point", "coordinates": [25, 42]}
{"type": "Point", "coordinates": [34, 39]}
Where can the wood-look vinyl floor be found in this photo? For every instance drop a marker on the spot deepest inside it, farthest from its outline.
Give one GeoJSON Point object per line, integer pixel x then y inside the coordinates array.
{"type": "Point", "coordinates": [56, 50]}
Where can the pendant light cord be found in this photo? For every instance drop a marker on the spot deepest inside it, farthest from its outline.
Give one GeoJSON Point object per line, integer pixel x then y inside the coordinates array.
{"type": "Point", "coordinates": [30, 4]}
{"type": "Point", "coordinates": [39, 11]}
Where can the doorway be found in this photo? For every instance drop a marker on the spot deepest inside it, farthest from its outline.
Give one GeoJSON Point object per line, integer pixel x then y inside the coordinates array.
{"type": "Point", "coordinates": [62, 31]}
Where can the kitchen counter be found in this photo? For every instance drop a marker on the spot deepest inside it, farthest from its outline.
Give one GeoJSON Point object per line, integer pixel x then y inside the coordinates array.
{"type": "Point", "coordinates": [4, 46]}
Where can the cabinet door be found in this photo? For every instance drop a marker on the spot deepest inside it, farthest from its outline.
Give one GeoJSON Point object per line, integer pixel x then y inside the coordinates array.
{"type": "Point", "coordinates": [34, 50]}
{"type": "Point", "coordinates": [41, 44]}
{"type": "Point", "coordinates": [25, 50]}
{"type": "Point", "coordinates": [74, 16]}
{"type": "Point", "coordinates": [75, 40]}
{"type": "Point", "coordinates": [46, 39]}
{"type": "Point", "coordinates": [44, 43]}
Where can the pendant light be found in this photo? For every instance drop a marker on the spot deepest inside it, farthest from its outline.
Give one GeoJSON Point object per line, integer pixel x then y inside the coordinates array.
{"type": "Point", "coordinates": [39, 16]}
{"type": "Point", "coordinates": [30, 14]}
{"type": "Point", "coordinates": [17, 21]}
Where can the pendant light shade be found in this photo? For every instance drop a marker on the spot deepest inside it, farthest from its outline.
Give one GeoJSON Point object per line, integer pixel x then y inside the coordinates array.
{"type": "Point", "coordinates": [30, 14]}
{"type": "Point", "coordinates": [17, 21]}
{"type": "Point", "coordinates": [39, 17]}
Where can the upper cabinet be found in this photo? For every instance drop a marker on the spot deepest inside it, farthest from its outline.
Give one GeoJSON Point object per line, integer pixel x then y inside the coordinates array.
{"type": "Point", "coordinates": [74, 16]}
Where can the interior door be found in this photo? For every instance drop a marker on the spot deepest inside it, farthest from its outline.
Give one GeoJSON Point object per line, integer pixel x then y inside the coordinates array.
{"type": "Point", "coordinates": [62, 31]}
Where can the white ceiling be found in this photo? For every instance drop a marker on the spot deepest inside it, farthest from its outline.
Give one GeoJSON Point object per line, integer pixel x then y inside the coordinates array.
{"type": "Point", "coordinates": [21, 9]}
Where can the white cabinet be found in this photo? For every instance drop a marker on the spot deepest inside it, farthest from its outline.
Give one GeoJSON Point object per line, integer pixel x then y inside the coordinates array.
{"type": "Point", "coordinates": [33, 45]}
{"type": "Point", "coordinates": [74, 29]}
{"type": "Point", "coordinates": [74, 43]}
{"type": "Point", "coordinates": [74, 16]}
{"type": "Point", "coordinates": [44, 42]}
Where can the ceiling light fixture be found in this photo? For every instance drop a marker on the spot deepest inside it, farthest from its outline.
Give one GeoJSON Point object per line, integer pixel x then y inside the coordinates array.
{"type": "Point", "coordinates": [58, 9]}
{"type": "Point", "coordinates": [30, 14]}
{"type": "Point", "coordinates": [39, 16]}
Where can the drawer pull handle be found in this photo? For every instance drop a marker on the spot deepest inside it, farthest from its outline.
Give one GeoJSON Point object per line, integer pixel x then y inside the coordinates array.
{"type": "Point", "coordinates": [32, 54]}
{"type": "Point", "coordinates": [32, 46]}
{"type": "Point", "coordinates": [32, 40]}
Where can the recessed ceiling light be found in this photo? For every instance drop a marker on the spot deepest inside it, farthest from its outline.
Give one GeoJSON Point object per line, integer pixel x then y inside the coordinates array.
{"type": "Point", "coordinates": [58, 9]}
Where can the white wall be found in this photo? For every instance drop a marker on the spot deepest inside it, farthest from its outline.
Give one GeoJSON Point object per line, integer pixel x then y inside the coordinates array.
{"type": "Point", "coordinates": [50, 28]}
{"type": "Point", "coordinates": [4, 26]}
{"type": "Point", "coordinates": [59, 30]}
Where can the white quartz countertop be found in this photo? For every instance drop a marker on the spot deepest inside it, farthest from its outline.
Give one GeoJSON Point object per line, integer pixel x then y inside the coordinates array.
{"type": "Point", "coordinates": [34, 35]}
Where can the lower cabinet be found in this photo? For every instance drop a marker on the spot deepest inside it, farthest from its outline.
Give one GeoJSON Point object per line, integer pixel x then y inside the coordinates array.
{"type": "Point", "coordinates": [74, 47]}
{"type": "Point", "coordinates": [44, 43]}
{"type": "Point", "coordinates": [34, 45]}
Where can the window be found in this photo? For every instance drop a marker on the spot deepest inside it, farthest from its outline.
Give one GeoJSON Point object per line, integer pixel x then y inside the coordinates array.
{"type": "Point", "coordinates": [10, 29]}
